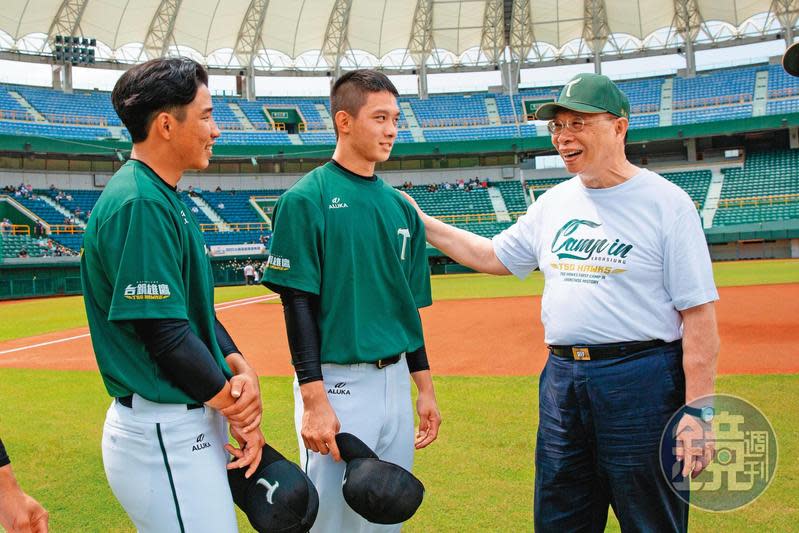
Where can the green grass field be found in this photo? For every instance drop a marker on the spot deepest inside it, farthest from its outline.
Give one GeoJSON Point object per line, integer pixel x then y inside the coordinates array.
{"type": "Point", "coordinates": [55, 314]}
{"type": "Point", "coordinates": [479, 474]}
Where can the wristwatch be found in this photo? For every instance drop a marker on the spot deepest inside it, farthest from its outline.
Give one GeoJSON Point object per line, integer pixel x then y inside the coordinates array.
{"type": "Point", "coordinates": [705, 414]}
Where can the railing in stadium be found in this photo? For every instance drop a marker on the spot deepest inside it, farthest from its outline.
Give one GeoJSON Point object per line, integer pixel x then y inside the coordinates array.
{"type": "Point", "coordinates": [16, 229]}
{"type": "Point", "coordinates": [730, 99]}
{"type": "Point", "coordinates": [759, 200]}
{"type": "Point", "coordinates": [65, 229]}
{"type": "Point", "coordinates": [476, 217]}
{"type": "Point", "coordinates": [239, 226]}
{"type": "Point", "coordinates": [55, 118]}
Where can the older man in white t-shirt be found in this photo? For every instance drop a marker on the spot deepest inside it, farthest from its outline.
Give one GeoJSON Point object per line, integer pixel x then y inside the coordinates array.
{"type": "Point", "coordinates": [628, 314]}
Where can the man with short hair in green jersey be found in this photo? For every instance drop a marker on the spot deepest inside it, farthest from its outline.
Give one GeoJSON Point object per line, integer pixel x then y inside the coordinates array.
{"type": "Point", "coordinates": [175, 374]}
{"type": "Point", "coordinates": [348, 257]}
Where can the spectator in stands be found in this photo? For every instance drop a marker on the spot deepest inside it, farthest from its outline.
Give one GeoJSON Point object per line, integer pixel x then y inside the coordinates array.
{"type": "Point", "coordinates": [630, 323]}
{"type": "Point", "coordinates": [218, 188]}
{"type": "Point", "coordinates": [195, 209]}
{"type": "Point", "coordinates": [191, 191]}
{"type": "Point", "coordinates": [23, 253]}
{"type": "Point", "coordinates": [38, 229]}
{"type": "Point", "coordinates": [249, 274]}
{"type": "Point", "coordinates": [220, 205]}
{"type": "Point", "coordinates": [18, 511]}
{"type": "Point", "coordinates": [68, 197]}
{"type": "Point", "coordinates": [5, 226]}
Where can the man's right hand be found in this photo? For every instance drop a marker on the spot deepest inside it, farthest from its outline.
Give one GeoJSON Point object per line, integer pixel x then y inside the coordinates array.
{"type": "Point", "coordinates": [319, 421]}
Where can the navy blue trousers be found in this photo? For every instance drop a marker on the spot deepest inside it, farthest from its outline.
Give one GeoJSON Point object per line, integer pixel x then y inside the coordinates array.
{"type": "Point", "coordinates": [600, 425]}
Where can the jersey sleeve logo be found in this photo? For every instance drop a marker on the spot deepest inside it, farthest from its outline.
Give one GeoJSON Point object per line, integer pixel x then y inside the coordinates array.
{"type": "Point", "coordinates": [147, 290]}
{"type": "Point", "coordinates": [278, 263]}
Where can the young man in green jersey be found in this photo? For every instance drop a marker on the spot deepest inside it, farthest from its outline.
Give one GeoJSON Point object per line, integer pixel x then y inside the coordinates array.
{"type": "Point", "coordinates": [175, 374]}
{"type": "Point", "coordinates": [349, 261]}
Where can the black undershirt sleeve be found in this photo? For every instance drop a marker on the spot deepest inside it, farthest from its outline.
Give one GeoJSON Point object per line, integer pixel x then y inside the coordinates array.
{"type": "Point", "coordinates": [300, 310]}
{"type": "Point", "coordinates": [4, 460]}
{"type": "Point", "coordinates": [182, 356]}
{"type": "Point", "coordinates": [417, 360]}
{"type": "Point", "coordinates": [224, 340]}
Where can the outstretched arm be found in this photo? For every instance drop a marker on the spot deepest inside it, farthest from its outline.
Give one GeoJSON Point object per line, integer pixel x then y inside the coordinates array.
{"type": "Point", "coordinates": [466, 248]}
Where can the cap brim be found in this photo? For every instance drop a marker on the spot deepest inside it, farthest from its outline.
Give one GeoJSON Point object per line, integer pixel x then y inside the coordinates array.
{"type": "Point", "coordinates": [351, 447]}
{"type": "Point", "coordinates": [548, 110]}
{"type": "Point", "coordinates": [790, 60]}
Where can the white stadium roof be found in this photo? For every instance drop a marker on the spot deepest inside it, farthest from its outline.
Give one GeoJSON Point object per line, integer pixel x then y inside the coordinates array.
{"type": "Point", "coordinates": [309, 37]}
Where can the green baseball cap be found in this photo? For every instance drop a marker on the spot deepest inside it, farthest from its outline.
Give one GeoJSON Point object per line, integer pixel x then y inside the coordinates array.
{"type": "Point", "coordinates": [790, 60]}
{"type": "Point", "coordinates": [588, 93]}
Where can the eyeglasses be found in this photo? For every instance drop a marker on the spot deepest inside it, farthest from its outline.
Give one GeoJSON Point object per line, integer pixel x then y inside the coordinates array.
{"type": "Point", "coordinates": [575, 125]}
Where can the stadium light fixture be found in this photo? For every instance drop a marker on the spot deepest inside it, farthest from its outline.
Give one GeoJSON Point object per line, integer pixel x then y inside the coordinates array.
{"type": "Point", "coordinates": [74, 50]}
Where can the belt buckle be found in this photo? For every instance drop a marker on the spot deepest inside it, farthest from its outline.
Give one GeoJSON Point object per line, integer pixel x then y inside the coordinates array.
{"type": "Point", "coordinates": [581, 353]}
{"type": "Point", "coordinates": [380, 364]}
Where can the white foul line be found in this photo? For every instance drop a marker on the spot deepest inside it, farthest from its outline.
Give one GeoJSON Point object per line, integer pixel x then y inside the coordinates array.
{"type": "Point", "coordinates": [43, 344]}
{"type": "Point", "coordinates": [218, 307]}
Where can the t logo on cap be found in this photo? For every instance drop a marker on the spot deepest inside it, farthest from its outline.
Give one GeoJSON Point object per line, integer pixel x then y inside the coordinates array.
{"type": "Point", "coordinates": [571, 84]}
{"type": "Point", "coordinates": [270, 489]}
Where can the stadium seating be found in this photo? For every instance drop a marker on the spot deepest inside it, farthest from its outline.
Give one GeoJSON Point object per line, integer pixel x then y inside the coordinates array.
{"type": "Point", "coordinates": [769, 183]}
{"type": "Point", "coordinates": [13, 244]}
{"type": "Point", "coordinates": [451, 202]}
{"type": "Point", "coordinates": [201, 217]}
{"type": "Point", "coordinates": [213, 238]}
{"type": "Point", "coordinates": [512, 194]}
{"type": "Point", "coordinates": [763, 174]}
{"type": "Point", "coordinates": [724, 94]}
{"type": "Point", "coordinates": [237, 205]}
{"type": "Point", "coordinates": [65, 131]}
{"type": "Point", "coordinates": [73, 241]}
{"type": "Point", "coordinates": [485, 229]}
{"type": "Point", "coordinates": [84, 200]}
{"type": "Point", "coordinates": [694, 182]}
{"type": "Point", "coordinates": [41, 209]}
{"type": "Point", "coordinates": [721, 86]}
{"type": "Point", "coordinates": [96, 104]}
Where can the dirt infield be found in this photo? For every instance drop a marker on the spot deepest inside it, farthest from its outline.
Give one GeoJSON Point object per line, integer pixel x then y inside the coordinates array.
{"type": "Point", "coordinates": [499, 336]}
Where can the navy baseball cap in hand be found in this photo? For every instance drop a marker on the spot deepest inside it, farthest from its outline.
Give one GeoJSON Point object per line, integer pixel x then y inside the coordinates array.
{"type": "Point", "coordinates": [278, 497]}
{"type": "Point", "coordinates": [379, 491]}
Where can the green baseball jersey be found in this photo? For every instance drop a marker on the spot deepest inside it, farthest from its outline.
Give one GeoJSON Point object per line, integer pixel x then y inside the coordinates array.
{"type": "Point", "coordinates": [143, 257]}
{"type": "Point", "coordinates": [361, 247]}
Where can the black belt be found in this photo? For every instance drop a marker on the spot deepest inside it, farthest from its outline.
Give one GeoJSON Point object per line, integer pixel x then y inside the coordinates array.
{"type": "Point", "coordinates": [127, 401]}
{"type": "Point", "coordinates": [388, 361]}
{"type": "Point", "coordinates": [588, 352]}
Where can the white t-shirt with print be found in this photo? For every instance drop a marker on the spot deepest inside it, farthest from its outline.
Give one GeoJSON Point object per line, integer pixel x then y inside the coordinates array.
{"type": "Point", "coordinates": [618, 262]}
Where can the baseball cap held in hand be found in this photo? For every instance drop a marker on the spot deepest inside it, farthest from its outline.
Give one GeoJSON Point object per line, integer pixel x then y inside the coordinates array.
{"type": "Point", "coordinates": [278, 497]}
{"type": "Point", "coordinates": [588, 93]}
{"type": "Point", "coordinates": [790, 60]}
{"type": "Point", "coordinates": [379, 491]}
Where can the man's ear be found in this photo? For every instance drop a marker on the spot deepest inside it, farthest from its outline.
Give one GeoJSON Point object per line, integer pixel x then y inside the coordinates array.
{"type": "Point", "coordinates": [162, 125]}
{"type": "Point", "coordinates": [622, 125]}
{"type": "Point", "coordinates": [343, 122]}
